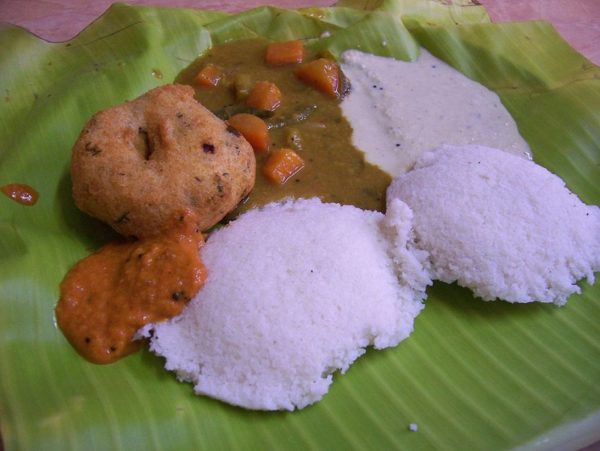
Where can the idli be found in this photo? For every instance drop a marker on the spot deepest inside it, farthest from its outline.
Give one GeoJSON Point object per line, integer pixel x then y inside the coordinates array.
{"type": "Point", "coordinates": [499, 224]}
{"type": "Point", "coordinates": [295, 291]}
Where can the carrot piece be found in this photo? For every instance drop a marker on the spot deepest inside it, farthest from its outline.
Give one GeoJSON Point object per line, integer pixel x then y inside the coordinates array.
{"type": "Point", "coordinates": [253, 128]}
{"type": "Point", "coordinates": [264, 96]}
{"type": "Point", "coordinates": [282, 53]}
{"type": "Point", "coordinates": [209, 76]}
{"type": "Point", "coordinates": [281, 165]}
{"type": "Point", "coordinates": [322, 74]}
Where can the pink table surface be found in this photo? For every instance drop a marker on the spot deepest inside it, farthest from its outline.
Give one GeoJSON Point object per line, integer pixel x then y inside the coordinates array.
{"type": "Point", "coordinates": [578, 21]}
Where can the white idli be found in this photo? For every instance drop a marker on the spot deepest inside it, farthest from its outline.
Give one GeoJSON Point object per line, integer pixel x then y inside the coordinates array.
{"type": "Point", "coordinates": [500, 225]}
{"type": "Point", "coordinates": [295, 291]}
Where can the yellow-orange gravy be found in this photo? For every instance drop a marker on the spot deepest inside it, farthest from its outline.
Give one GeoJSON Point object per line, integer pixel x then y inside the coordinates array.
{"type": "Point", "coordinates": [106, 297]}
{"type": "Point", "coordinates": [21, 193]}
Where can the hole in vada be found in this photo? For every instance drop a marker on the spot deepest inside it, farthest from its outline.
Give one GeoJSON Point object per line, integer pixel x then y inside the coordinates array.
{"type": "Point", "coordinates": [146, 145]}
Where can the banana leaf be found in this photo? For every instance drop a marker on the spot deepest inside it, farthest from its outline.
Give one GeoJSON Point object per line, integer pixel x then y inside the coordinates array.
{"type": "Point", "coordinates": [473, 375]}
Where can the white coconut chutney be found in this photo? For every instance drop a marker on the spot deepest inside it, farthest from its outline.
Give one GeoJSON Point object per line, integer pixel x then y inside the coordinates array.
{"type": "Point", "coordinates": [400, 109]}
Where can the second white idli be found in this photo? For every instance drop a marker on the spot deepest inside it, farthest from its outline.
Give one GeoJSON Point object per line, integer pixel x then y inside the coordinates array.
{"type": "Point", "coordinates": [295, 291]}
{"type": "Point", "coordinates": [499, 224]}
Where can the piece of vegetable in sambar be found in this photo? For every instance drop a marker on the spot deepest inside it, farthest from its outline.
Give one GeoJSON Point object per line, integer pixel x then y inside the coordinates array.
{"type": "Point", "coordinates": [265, 95]}
{"type": "Point", "coordinates": [282, 53]}
{"type": "Point", "coordinates": [242, 85]}
{"type": "Point", "coordinates": [209, 76]}
{"type": "Point", "coordinates": [253, 128]}
{"type": "Point", "coordinates": [281, 165]}
{"type": "Point", "coordinates": [293, 138]}
{"type": "Point", "coordinates": [322, 74]}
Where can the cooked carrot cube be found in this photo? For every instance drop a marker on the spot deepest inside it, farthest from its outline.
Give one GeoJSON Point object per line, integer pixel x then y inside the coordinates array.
{"type": "Point", "coordinates": [209, 76]}
{"type": "Point", "coordinates": [264, 96]}
{"type": "Point", "coordinates": [282, 53]}
{"type": "Point", "coordinates": [322, 74]}
{"type": "Point", "coordinates": [253, 128]}
{"type": "Point", "coordinates": [281, 165]}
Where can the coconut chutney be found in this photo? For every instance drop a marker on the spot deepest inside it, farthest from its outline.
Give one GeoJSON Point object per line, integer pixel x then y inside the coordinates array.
{"type": "Point", "coordinates": [400, 109]}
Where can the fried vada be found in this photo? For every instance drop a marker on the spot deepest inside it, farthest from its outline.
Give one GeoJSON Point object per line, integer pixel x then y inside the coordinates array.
{"type": "Point", "coordinates": [137, 165]}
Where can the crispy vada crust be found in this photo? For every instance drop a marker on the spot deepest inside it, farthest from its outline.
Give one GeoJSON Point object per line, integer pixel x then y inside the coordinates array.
{"type": "Point", "coordinates": [138, 164]}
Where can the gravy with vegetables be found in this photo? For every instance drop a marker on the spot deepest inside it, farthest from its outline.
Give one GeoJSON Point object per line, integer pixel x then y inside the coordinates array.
{"type": "Point", "coordinates": [306, 121]}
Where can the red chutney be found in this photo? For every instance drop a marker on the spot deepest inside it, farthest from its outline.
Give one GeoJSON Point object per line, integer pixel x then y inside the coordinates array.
{"type": "Point", "coordinates": [23, 194]}
{"type": "Point", "coordinates": [108, 296]}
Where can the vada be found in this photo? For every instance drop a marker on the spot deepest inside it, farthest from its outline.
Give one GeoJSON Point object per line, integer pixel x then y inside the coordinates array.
{"type": "Point", "coordinates": [137, 165]}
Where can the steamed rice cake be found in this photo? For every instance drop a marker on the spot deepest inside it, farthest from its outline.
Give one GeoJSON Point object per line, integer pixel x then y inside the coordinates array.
{"type": "Point", "coordinates": [295, 291]}
{"type": "Point", "coordinates": [499, 224]}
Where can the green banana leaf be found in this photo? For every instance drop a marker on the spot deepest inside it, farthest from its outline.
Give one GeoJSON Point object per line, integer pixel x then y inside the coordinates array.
{"type": "Point", "coordinates": [473, 375]}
